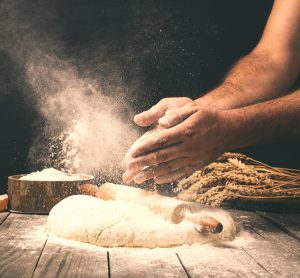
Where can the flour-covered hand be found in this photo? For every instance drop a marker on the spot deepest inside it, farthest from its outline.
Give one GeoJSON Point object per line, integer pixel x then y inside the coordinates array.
{"type": "Point", "coordinates": [152, 115]}
{"type": "Point", "coordinates": [192, 137]}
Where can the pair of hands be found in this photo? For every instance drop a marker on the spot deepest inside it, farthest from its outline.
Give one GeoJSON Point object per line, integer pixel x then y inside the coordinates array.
{"type": "Point", "coordinates": [187, 136]}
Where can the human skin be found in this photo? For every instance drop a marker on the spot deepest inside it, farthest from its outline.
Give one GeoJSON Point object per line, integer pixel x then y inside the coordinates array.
{"type": "Point", "coordinates": [206, 133]}
{"type": "Point", "coordinates": [236, 114]}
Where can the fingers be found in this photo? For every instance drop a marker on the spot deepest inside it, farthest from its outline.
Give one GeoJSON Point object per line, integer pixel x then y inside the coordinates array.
{"type": "Point", "coordinates": [161, 169]}
{"type": "Point", "coordinates": [152, 159]}
{"type": "Point", "coordinates": [150, 116]}
{"type": "Point", "coordinates": [176, 175]}
{"type": "Point", "coordinates": [162, 139]}
{"type": "Point", "coordinates": [128, 155]}
{"type": "Point", "coordinates": [176, 116]}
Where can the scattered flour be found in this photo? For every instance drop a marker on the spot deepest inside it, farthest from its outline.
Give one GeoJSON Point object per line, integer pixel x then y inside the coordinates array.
{"type": "Point", "coordinates": [52, 174]}
{"type": "Point", "coordinates": [242, 240]}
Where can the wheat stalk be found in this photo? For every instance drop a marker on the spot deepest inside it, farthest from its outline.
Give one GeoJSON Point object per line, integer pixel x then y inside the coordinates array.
{"type": "Point", "coordinates": [234, 176]}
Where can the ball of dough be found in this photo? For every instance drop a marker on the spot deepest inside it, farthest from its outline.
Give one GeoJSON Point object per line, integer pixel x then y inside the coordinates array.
{"type": "Point", "coordinates": [117, 223]}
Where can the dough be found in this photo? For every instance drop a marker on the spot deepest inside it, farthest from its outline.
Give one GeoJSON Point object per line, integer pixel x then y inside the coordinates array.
{"type": "Point", "coordinates": [118, 223]}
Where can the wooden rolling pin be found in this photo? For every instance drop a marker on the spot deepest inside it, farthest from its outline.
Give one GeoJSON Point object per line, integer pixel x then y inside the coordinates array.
{"type": "Point", "coordinates": [172, 209]}
{"type": "Point", "coordinates": [3, 202]}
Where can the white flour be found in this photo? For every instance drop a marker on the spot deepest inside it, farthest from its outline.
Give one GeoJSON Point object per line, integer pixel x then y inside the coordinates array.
{"type": "Point", "coordinates": [242, 240]}
{"type": "Point", "coordinates": [52, 174]}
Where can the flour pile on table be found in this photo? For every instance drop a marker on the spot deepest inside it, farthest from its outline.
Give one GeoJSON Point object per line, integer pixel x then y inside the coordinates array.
{"type": "Point", "coordinates": [119, 223]}
{"type": "Point", "coordinates": [52, 174]}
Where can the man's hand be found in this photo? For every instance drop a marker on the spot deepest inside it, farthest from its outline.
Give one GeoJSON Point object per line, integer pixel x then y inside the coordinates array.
{"type": "Point", "coordinates": [189, 138]}
{"type": "Point", "coordinates": [152, 115]}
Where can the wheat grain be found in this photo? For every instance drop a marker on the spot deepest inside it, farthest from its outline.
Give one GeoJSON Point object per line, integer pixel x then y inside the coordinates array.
{"type": "Point", "coordinates": [235, 175]}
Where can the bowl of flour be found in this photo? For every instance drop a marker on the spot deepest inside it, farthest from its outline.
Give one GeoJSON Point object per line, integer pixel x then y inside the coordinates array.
{"type": "Point", "coordinates": [39, 191]}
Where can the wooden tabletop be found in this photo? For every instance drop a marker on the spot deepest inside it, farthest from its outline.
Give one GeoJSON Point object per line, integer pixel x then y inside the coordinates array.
{"type": "Point", "coordinates": [273, 250]}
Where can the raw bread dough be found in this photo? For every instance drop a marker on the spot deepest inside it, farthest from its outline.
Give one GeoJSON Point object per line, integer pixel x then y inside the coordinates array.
{"type": "Point", "coordinates": [118, 223]}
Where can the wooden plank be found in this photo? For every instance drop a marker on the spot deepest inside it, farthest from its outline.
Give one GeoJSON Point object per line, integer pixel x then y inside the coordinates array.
{"type": "Point", "coordinates": [271, 252]}
{"type": "Point", "coordinates": [277, 252]}
{"type": "Point", "coordinates": [217, 261]}
{"type": "Point", "coordinates": [142, 262]}
{"type": "Point", "coordinates": [287, 222]}
{"type": "Point", "coordinates": [65, 258]}
{"type": "Point", "coordinates": [23, 226]}
{"type": "Point", "coordinates": [22, 240]}
{"type": "Point", "coordinates": [3, 216]}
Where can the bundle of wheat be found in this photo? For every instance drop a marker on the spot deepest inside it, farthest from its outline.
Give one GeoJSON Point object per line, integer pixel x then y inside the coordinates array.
{"type": "Point", "coordinates": [234, 176]}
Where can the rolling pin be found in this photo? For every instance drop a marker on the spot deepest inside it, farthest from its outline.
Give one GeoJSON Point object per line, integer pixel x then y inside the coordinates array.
{"type": "Point", "coordinates": [3, 202]}
{"type": "Point", "coordinates": [170, 208]}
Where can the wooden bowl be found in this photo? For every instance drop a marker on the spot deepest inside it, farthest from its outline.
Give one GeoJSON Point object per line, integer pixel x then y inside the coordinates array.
{"type": "Point", "coordinates": [26, 196]}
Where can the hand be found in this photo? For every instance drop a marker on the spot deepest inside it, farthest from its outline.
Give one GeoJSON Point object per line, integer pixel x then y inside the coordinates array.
{"type": "Point", "coordinates": [152, 115]}
{"type": "Point", "coordinates": [177, 150]}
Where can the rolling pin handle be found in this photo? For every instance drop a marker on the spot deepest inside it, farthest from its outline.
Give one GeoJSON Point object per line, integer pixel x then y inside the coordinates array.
{"type": "Point", "coordinates": [88, 189]}
{"type": "Point", "coordinates": [203, 223]}
{"type": "Point", "coordinates": [208, 224]}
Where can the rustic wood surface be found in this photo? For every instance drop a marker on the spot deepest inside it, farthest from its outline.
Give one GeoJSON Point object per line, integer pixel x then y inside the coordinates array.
{"type": "Point", "coordinates": [276, 251]}
{"type": "Point", "coordinates": [21, 244]}
{"type": "Point", "coordinates": [287, 222]}
{"type": "Point", "coordinates": [59, 260]}
{"type": "Point", "coordinates": [3, 216]}
{"type": "Point", "coordinates": [136, 262]}
{"type": "Point", "coordinates": [273, 249]}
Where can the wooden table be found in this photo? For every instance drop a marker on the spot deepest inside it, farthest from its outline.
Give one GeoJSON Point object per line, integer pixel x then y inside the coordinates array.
{"type": "Point", "coordinates": [27, 251]}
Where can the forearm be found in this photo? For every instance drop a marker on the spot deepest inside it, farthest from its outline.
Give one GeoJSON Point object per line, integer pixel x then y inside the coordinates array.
{"type": "Point", "coordinates": [257, 77]}
{"type": "Point", "coordinates": [270, 69]}
{"type": "Point", "coordinates": [275, 120]}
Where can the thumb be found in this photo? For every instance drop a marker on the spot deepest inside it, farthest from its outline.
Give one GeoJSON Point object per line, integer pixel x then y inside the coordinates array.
{"type": "Point", "coordinates": [150, 116]}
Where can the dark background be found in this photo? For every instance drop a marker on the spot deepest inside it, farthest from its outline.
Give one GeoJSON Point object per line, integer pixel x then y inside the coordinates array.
{"type": "Point", "coordinates": [158, 48]}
